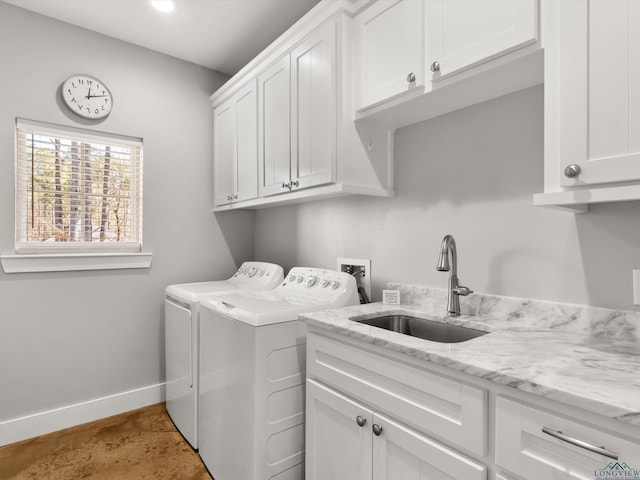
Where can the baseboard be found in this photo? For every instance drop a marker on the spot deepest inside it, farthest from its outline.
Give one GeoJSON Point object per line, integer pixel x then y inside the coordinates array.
{"type": "Point", "coordinates": [18, 429]}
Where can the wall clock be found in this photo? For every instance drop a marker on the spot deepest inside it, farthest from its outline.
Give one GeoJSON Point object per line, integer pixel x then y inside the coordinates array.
{"type": "Point", "coordinates": [87, 96]}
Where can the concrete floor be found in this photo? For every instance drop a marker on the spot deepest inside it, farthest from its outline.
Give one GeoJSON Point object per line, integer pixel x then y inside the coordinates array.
{"type": "Point", "coordinates": [141, 444]}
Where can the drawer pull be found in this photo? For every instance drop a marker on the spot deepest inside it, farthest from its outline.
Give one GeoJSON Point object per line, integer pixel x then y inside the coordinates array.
{"type": "Point", "coordinates": [579, 443]}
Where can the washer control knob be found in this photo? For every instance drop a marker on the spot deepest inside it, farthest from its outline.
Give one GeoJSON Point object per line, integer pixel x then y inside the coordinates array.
{"type": "Point", "coordinates": [335, 284]}
{"type": "Point", "coordinates": [325, 283]}
{"type": "Point", "coordinates": [299, 279]}
{"type": "Point", "coordinates": [253, 271]}
{"type": "Point", "coordinates": [291, 278]}
{"type": "Point", "coordinates": [260, 272]}
{"type": "Point", "coordinates": [311, 281]}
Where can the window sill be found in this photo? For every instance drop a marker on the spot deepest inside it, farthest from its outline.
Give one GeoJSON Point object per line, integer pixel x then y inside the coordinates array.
{"type": "Point", "coordinates": [67, 262]}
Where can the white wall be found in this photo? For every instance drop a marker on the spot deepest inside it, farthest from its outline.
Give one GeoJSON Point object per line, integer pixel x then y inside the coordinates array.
{"type": "Point", "coordinates": [470, 173]}
{"type": "Point", "coordinates": [72, 337]}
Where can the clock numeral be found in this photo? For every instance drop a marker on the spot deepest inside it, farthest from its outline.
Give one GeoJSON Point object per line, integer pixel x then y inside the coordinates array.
{"type": "Point", "coordinates": [73, 100]}
{"type": "Point", "coordinates": [79, 107]}
{"type": "Point", "coordinates": [69, 90]}
{"type": "Point", "coordinates": [80, 81]}
{"type": "Point", "coordinates": [96, 111]}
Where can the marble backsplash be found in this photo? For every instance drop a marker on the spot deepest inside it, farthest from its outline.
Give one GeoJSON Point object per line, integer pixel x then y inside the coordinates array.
{"type": "Point", "coordinates": [530, 314]}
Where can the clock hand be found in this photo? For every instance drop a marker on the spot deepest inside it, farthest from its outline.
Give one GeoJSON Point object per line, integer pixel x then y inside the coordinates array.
{"type": "Point", "coordinates": [88, 94]}
{"type": "Point", "coordinates": [95, 96]}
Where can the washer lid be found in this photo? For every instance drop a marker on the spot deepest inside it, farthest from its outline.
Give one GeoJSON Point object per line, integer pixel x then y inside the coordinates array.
{"type": "Point", "coordinates": [193, 292]}
{"type": "Point", "coordinates": [263, 308]}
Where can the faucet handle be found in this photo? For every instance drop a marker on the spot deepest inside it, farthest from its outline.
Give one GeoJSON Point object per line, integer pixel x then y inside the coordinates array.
{"type": "Point", "coordinates": [460, 290]}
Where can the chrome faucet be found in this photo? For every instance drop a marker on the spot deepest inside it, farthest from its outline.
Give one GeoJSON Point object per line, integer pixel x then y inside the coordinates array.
{"type": "Point", "coordinates": [448, 248]}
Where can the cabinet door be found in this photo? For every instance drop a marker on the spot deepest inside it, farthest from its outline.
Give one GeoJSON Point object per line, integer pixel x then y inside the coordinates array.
{"type": "Point", "coordinates": [337, 446]}
{"type": "Point", "coordinates": [597, 101]}
{"type": "Point", "coordinates": [224, 152]}
{"type": "Point", "coordinates": [461, 33]}
{"type": "Point", "coordinates": [390, 47]}
{"type": "Point", "coordinates": [246, 180]}
{"type": "Point", "coordinates": [274, 128]}
{"type": "Point", "coordinates": [402, 453]}
{"type": "Point", "coordinates": [313, 109]}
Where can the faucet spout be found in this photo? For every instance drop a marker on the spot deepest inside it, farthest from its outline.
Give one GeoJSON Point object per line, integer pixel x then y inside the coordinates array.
{"type": "Point", "coordinates": [448, 261]}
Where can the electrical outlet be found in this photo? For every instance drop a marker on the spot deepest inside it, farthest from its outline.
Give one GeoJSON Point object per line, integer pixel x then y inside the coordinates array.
{"type": "Point", "coordinates": [636, 287]}
{"type": "Point", "coordinates": [361, 271]}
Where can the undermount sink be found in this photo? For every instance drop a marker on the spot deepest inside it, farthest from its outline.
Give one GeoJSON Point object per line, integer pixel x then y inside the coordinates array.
{"type": "Point", "coordinates": [423, 328]}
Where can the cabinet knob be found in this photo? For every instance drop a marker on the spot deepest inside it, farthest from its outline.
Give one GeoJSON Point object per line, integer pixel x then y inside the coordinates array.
{"type": "Point", "coordinates": [295, 183]}
{"type": "Point", "coordinates": [235, 197]}
{"type": "Point", "coordinates": [572, 170]}
{"type": "Point", "coordinates": [411, 77]}
{"type": "Point", "coordinates": [286, 185]}
{"type": "Point", "coordinates": [435, 67]}
{"type": "Point", "coordinates": [361, 421]}
{"type": "Point", "coordinates": [377, 429]}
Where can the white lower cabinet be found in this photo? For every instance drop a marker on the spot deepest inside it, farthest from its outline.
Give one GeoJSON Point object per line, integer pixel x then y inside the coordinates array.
{"type": "Point", "coordinates": [346, 439]}
{"type": "Point", "coordinates": [337, 446]}
{"type": "Point", "coordinates": [538, 444]}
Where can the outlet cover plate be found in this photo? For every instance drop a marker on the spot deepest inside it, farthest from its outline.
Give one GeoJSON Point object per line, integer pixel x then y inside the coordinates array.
{"type": "Point", "coordinates": [364, 265]}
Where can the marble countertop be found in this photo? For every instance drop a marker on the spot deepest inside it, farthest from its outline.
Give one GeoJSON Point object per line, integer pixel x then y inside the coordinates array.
{"type": "Point", "coordinates": [596, 372]}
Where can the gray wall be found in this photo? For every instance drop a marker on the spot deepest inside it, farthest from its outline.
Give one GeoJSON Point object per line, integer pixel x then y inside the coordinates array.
{"type": "Point", "coordinates": [72, 337]}
{"type": "Point", "coordinates": [470, 173]}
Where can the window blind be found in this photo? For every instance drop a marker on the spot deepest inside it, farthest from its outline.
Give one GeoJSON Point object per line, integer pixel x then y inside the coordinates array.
{"type": "Point", "coordinates": [77, 190]}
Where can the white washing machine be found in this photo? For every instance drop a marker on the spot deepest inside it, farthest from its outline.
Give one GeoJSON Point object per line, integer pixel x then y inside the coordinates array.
{"type": "Point", "coordinates": [181, 319]}
{"type": "Point", "coordinates": [252, 374]}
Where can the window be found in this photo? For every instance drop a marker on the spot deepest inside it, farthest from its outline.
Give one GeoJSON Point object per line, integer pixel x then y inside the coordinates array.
{"type": "Point", "coordinates": [77, 191]}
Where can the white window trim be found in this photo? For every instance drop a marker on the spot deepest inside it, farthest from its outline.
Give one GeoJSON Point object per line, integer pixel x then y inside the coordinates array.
{"type": "Point", "coordinates": [74, 257]}
{"type": "Point", "coordinates": [66, 262]}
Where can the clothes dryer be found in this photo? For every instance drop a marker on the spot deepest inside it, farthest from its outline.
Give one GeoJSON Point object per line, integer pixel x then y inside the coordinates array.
{"type": "Point", "coordinates": [182, 307]}
{"type": "Point", "coordinates": [252, 374]}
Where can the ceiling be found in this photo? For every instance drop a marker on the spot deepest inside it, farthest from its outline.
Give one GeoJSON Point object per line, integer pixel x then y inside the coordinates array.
{"type": "Point", "coordinates": [220, 34]}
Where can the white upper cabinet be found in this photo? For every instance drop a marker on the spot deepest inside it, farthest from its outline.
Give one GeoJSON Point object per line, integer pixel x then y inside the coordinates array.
{"type": "Point", "coordinates": [274, 155]}
{"type": "Point", "coordinates": [592, 101]}
{"type": "Point", "coordinates": [462, 33]}
{"type": "Point", "coordinates": [314, 110]}
{"type": "Point", "coordinates": [236, 147]}
{"type": "Point", "coordinates": [298, 117]}
{"type": "Point", "coordinates": [390, 45]}
{"type": "Point", "coordinates": [600, 92]}
{"type": "Point", "coordinates": [407, 49]}
{"type": "Point", "coordinates": [308, 146]}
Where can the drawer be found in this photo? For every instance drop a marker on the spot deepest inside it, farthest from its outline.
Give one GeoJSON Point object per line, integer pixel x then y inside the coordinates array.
{"type": "Point", "coordinates": [523, 448]}
{"type": "Point", "coordinates": [441, 407]}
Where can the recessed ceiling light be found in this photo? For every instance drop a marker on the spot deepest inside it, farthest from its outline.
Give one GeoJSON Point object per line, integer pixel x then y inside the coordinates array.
{"type": "Point", "coordinates": [163, 5]}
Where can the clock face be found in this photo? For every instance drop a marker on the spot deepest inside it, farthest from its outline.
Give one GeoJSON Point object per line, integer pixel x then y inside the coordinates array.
{"type": "Point", "coordinates": [87, 96]}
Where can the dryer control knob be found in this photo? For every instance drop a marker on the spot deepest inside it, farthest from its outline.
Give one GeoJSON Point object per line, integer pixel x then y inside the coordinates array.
{"type": "Point", "coordinates": [299, 279]}
{"type": "Point", "coordinates": [325, 283]}
{"type": "Point", "coordinates": [291, 278]}
{"type": "Point", "coordinates": [260, 272]}
{"type": "Point", "coordinates": [335, 284]}
{"type": "Point", "coordinates": [311, 281]}
{"type": "Point", "coordinates": [252, 271]}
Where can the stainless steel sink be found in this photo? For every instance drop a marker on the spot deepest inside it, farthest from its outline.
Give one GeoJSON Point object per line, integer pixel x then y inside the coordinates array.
{"type": "Point", "coordinates": [423, 328]}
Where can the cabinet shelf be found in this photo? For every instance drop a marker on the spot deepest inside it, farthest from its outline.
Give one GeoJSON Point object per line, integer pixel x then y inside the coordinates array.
{"type": "Point", "coordinates": [304, 196]}
{"type": "Point", "coordinates": [520, 70]}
